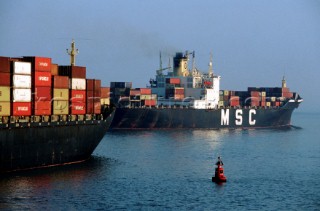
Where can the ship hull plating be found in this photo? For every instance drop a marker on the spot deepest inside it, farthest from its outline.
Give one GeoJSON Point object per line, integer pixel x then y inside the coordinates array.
{"type": "Point", "coordinates": [25, 146]}
{"type": "Point", "coordinates": [166, 118]}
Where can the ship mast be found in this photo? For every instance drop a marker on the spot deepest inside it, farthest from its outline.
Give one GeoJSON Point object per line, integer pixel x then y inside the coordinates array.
{"type": "Point", "coordinates": [210, 66]}
{"type": "Point", "coordinates": [73, 52]}
{"type": "Point", "coordinates": [284, 83]}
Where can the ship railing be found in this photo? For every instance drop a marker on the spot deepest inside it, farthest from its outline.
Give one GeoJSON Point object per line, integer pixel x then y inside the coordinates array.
{"type": "Point", "coordinates": [49, 118]}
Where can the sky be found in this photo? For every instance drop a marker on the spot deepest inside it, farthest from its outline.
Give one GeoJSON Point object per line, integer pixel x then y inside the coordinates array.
{"type": "Point", "coordinates": [254, 43]}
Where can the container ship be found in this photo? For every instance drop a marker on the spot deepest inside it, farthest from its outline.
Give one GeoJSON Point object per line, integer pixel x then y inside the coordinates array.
{"type": "Point", "coordinates": [49, 114]}
{"type": "Point", "coordinates": [188, 98]}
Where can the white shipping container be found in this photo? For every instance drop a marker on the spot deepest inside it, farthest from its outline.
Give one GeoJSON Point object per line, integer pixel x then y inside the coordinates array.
{"type": "Point", "coordinates": [22, 68]}
{"type": "Point", "coordinates": [21, 95]}
{"type": "Point", "coordinates": [21, 81]}
{"type": "Point", "coordinates": [78, 83]}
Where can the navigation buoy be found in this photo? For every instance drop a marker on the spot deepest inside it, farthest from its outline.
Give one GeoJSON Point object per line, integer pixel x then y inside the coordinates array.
{"type": "Point", "coordinates": [219, 172]}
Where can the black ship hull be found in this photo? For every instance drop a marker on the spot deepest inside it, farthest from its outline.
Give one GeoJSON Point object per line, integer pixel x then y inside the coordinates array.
{"type": "Point", "coordinates": [35, 145]}
{"type": "Point", "coordinates": [173, 118]}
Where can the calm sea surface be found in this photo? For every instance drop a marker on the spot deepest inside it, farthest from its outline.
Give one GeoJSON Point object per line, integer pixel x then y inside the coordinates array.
{"type": "Point", "coordinates": [172, 170]}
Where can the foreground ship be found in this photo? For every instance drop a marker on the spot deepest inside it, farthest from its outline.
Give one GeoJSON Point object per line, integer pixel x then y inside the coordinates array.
{"type": "Point", "coordinates": [186, 98]}
{"type": "Point", "coordinates": [49, 115]}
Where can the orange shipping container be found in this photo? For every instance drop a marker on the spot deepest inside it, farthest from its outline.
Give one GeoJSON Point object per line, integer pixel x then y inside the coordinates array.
{"type": "Point", "coordinates": [42, 108]}
{"type": "Point", "coordinates": [105, 92]}
{"type": "Point", "coordinates": [145, 91]}
{"type": "Point", "coordinates": [150, 102]}
{"type": "Point", "coordinates": [173, 81]}
{"type": "Point", "coordinates": [133, 92]}
{"type": "Point", "coordinates": [42, 79]}
{"type": "Point", "coordinates": [54, 69]}
{"type": "Point", "coordinates": [179, 91]}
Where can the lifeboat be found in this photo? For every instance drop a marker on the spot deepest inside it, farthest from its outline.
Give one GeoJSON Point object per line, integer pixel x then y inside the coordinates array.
{"type": "Point", "coordinates": [219, 173]}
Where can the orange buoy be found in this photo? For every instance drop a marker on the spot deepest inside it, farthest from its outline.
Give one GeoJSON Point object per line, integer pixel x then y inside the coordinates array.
{"type": "Point", "coordinates": [219, 172]}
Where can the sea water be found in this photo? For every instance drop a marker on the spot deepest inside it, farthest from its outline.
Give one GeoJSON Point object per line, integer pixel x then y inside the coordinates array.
{"type": "Point", "coordinates": [266, 169]}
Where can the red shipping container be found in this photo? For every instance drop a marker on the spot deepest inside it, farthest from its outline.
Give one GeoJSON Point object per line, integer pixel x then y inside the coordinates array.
{"type": "Point", "coordinates": [42, 94]}
{"type": "Point", "coordinates": [145, 91]}
{"type": "Point", "coordinates": [150, 102]}
{"type": "Point", "coordinates": [5, 79]}
{"type": "Point", "coordinates": [39, 63]}
{"type": "Point", "coordinates": [173, 80]}
{"type": "Point", "coordinates": [179, 91]}
{"type": "Point", "coordinates": [61, 82]}
{"type": "Point", "coordinates": [97, 84]}
{"type": "Point", "coordinates": [97, 93]}
{"type": "Point", "coordinates": [133, 92]}
{"type": "Point", "coordinates": [42, 79]}
{"type": "Point", "coordinates": [89, 94]}
{"type": "Point", "coordinates": [263, 103]}
{"type": "Point", "coordinates": [255, 94]}
{"type": "Point", "coordinates": [42, 108]}
{"type": "Point", "coordinates": [90, 105]}
{"type": "Point", "coordinates": [105, 92]}
{"type": "Point", "coordinates": [4, 64]}
{"type": "Point", "coordinates": [77, 96]}
{"type": "Point", "coordinates": [234, 103]}
{"type": "Point", "coordinates": [97, 108]}
{"type": "Point", "coordinates": [21, 109]}
{"type": "Point", "coordinates": [255, 103]}
{"type": "Point", "coordinates": [90, 84]}
{"type": "Point", "coordinates": [78, 108]}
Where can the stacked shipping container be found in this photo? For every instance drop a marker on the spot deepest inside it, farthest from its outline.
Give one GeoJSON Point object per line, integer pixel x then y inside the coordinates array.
{"type": "Point", "coordinates": [105, 96]}
{"type": "Point", "coordinates": [255, 97]}
{"type": "Point", "coordinates": [5, 96]}
{"type": "Point", "coordinates": [93, 96]}
{"type": "Point", "coordinates": [41, 85]}
{"type": "Point", "coordinates": [60, 100]}
{"type": "Point", "coordinates": [21, 89]}
{"type": "Point", "coordinates": [77, 86]}
{"type": "Point", "coordinates": [35, 86]}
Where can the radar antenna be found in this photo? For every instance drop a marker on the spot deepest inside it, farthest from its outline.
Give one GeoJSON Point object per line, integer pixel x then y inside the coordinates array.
{"type": "Point", "coordinates": [73, 52]}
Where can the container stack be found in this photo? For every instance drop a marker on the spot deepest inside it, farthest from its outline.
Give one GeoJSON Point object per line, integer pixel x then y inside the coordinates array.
{"type": "Point", "coordinates": [21, 89]}
{"type": "Point", "coordinates": [135, 97]}
{"type": "Point", "coordinates": [147, 98]}
{"type": "Point", "coordinates": [176, 93]}
{"type": "Point", "coordinates": [105, 96]}
{"type": "Point", "coordinates": [5, 84]}
{"type": "Point", "coordinates": [77, 86]}
{"type": "Point", "coordinates": [60, 90]}
{"type": "Point", "coordinates": [41, 85]}
{"type": "Point", "coordinates": [142, 97]}
{"type": "Point", "coordinates": [93, 96]}
{"type": "Point", "coordinates": [120, 92]}
{"type": "Point", "coordinates": [33, 86]}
